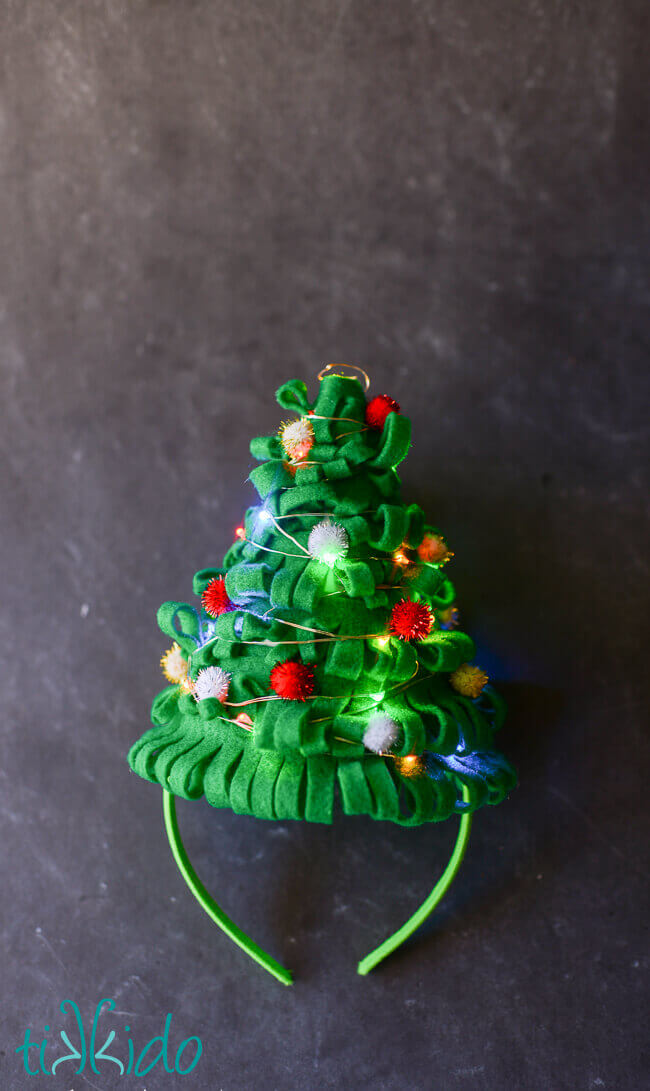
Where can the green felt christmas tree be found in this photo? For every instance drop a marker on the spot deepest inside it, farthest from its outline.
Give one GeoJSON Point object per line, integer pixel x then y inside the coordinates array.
{"type": "Point", "coordinates": [322, 662]}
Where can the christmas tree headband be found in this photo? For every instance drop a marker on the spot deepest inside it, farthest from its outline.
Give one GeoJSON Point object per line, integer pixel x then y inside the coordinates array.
{"type": "Point", "coordinates": [324, 662]}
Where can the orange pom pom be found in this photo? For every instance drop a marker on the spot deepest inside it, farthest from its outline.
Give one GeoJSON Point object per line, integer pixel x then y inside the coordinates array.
{"type": "Point", "coordinates": [433, 548]}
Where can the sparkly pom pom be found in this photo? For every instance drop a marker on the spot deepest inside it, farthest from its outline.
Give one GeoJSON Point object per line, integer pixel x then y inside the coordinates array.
{"type": "Point", "coordinates": [378, 409]}
{"type": "Point", "coordinates": [215, 598]}
{"type": "Point", "coordinates": [328, 542]}
{"type": "Point", "coordinates": [468, 681]}
{"type": "Point", "coordinates": [211, 682]}
{"type": "Point", "coordinates": [293, 680]}
{"type": "Point", "coordinates": [433, 548]}
{"type": "Point", "coordinates": [297, 437]}
{"type": "Point", "coordinates": [410, 620]}
{"type": "Point", "coordinates": [174, 665]}
{"type": "Point", "coordinates": [380, 733]}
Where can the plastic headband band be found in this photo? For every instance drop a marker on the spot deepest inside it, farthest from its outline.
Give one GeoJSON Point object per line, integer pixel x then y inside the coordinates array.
{"type": "Point", "coordinates": [266, 961]}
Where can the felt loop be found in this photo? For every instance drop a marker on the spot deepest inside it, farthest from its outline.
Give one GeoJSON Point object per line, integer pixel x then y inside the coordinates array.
{"type": "Point", "coordinates": [289, 725]}
{"type": "Point", "coordinates": [293, 396]}
{"type": "Point", "coordinates": [270, 475]}
{"type": "Point", "coordinates": [242, 780]}
{"type": "Point", "coordinates": [396, 440]}
{"type": "Point", "coordinates": [429, 581]}
{"type": "Point", "coordinates": [248, 580]}
{"type": "Point", "coordinates": [444, 596]}
{"type": "Point", "coordinates": [355, 790]}
{"type": "Point", "coordinates": [266, 447]}
{"type": "Point", "coordinates": [441, 651]}
{"type": "Point", "coordinates": [210, 708]}
{"type": "Point", "coordinates": [181, 622]}
{"type": "Point", "coordinates": [412, 734]}
{"type": "Point", "coordinates": [340, 396]}
{"type": "Point", "coordinates": [415, 531]}
{"type": "Point", "coordinates": [319, 799]}
{"type": "Point", "coordinates": [391, 524]}
{"type": "Point", "coordinates": [233, 555]}
{"type": "Point", "coordinates": [219, 773]}
{"type": "Point", "coordinates": [307, 475]}
{"type": "Point", "coordinates": [337, 469]}
{"type": "Point", "coordinates": [356, 578]}
{"type": "Point", "coordinates": [284, 583]}
{"type": "Point", "coordinates": [345, 659]}
{"type": "Point", "coordinates": [290, 788]}
{"type": "Point", "coordinates": [202, 579]}
{"type": "Point", "coordinates": [165, 706]}
{"type": "Point", "coordinates": [309, 587]}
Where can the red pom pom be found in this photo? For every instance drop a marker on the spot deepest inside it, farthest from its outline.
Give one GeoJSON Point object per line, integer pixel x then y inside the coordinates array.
{"type": "Point", "coordinates": [293, 680]}
{"type": "Point", "coordinates": [378, 409]}
{"type": "Point", "coordinates": [215, 598]}
{"type": "Point", "coordinates": [410, 620]}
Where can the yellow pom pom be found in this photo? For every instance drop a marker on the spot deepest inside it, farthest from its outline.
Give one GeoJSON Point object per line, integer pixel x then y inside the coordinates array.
{"type": "Point", "coordinates": [468, 681]}
{"type": "Point", "coordinates": [297, 437]}
{"type": "Point", "coordinates": [174, 666]}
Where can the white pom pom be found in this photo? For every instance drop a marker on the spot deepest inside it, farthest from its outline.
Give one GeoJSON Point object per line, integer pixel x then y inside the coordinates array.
{"type": "Point", "coordinates": [328, 542]}
{"type": "Point", "coordinates": [297, 437]}
{"type": "Point", "coordinates": [211, 682]}
{"type": "Point", "coordinates": [380, 733]}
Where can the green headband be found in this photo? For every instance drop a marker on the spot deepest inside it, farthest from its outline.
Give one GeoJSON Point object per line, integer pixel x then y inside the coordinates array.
{"type": "Point", "coordinates": [324, 661]}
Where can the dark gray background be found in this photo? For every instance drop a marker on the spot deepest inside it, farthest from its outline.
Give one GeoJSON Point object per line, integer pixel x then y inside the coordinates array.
{"type": "Point", "coordinates": [198, 201]}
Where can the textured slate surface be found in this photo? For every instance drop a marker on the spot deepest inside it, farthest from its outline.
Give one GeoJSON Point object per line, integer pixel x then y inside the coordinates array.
{"type": "Point", "coordinates": [199, 201]}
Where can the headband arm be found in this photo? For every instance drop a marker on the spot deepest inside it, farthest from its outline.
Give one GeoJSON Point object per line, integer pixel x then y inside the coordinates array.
{"type": "Point", "coordinates": [207, 902]}
{"type": "Point", "coordinates": [429, 904]}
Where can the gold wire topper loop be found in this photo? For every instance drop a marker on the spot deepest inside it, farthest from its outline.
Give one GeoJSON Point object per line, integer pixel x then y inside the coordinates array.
{"type": "Point", "coordinates": [353, 367]}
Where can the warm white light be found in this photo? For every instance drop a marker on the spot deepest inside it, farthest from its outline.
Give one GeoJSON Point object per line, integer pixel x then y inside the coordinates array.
{"type": "Point", "coordinates": [377, 696]}
{"type": "Point", "coordinates": [383, 641]}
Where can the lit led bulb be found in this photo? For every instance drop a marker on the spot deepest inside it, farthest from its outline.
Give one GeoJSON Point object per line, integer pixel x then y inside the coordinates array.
{"type": "Point", "coordinates": [407, 766]}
